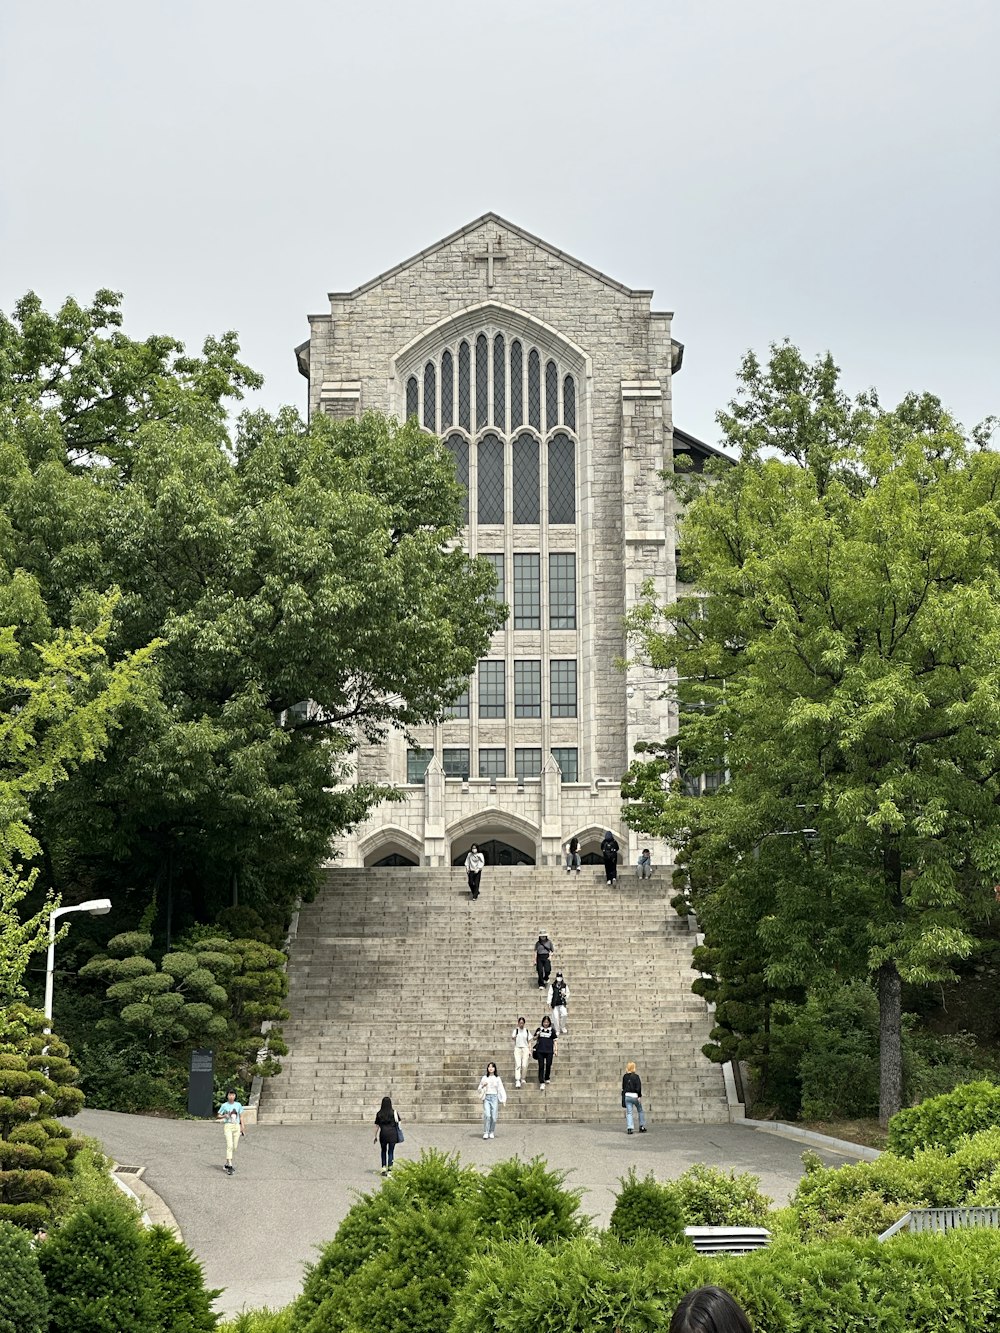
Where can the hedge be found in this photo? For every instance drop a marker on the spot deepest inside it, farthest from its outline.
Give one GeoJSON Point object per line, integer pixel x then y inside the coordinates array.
{"type": "Point", "coordinates": [942, 1121]}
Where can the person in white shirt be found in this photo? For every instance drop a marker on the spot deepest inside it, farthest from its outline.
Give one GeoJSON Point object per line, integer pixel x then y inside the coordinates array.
{"type": "Point", "coordinates": [521, 1038]}
{"type": "Point", "coordinates": [474, 863]}
{"type": "Point", "coordinates": [557, 999]}
{"type": "Point", "coordinates": [493, 1095]}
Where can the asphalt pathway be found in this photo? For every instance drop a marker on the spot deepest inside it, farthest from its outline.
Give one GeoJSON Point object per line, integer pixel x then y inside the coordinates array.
{"type": "Point", "coordinates": [293, 1184]}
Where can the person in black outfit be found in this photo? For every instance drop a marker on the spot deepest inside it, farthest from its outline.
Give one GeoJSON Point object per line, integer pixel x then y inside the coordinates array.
{"type": "Point", "coordinates": [632, 1097]}
{"type": "Point", "coordinates": [545, 1049]}
{"type": "Point", "coordinates": [386, 1132]}
{"type": "Point", "coordinates": [609, 851]}
{"type": "Point", "coordinates": [544, 949]}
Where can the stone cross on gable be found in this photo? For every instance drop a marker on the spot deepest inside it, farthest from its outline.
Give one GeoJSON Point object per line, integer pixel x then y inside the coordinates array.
{"type": "Point", "coordinates": [492, 255]}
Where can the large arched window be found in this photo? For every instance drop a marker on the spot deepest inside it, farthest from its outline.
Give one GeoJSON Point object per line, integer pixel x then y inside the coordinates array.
{"type": "Point", "coordinates": [525, 478]}
{"type": "Point", "coordinates": [412, 397]}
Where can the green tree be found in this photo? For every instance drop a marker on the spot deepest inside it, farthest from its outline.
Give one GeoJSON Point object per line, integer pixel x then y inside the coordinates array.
{"type": "Point", "coordinates": [37, 1084]}
{"type": "Point", "coordinates": [96, 1275]}
{"type": "Point", "coordinates": [181, 1302]}
{"type": "Point", "coordinates": [842, 660]}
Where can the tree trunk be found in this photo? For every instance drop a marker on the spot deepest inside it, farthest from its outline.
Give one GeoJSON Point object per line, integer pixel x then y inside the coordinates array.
{"type": "Point", "coordinates": [890, 1045]}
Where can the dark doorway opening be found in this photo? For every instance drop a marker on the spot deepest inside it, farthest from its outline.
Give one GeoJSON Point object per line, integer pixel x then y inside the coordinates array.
{"type": "Point", "coordinates": [498, 853]}
{"type": "Point", "coordinates": [395, 859]}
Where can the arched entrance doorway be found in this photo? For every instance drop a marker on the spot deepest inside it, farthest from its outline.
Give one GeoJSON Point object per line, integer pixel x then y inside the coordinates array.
{"type": "Point", "coordinates": [495, 850]}
{"type": "Point", "coordinates": [395, 859]}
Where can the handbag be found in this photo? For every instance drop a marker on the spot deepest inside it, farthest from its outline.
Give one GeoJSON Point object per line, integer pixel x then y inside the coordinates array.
{"type": "Point", "coordinates": [400, 1136]}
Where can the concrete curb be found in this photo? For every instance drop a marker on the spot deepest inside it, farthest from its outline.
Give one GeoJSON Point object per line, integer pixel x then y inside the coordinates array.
{"type": "Point", "coordinates": [812, 1138]}
{"type": "Point", "coordinates": [155, 1211]}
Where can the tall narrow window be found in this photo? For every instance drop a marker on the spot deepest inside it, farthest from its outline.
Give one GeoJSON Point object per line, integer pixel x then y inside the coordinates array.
{"type": "Point", "coordinates": [447, 390]}
{"type": "Point", "coordinates": [527, 592]}
{"type": "Point", "coordinates": [527, 688]}
{"type": "Point", "coordinates": [492, 763]}
{"type": "Point", "coordinates": [516, 387]}
{"type": "Point", "coordinates": [459, 707]}
{"type": "Point", "coordinates": [411, 397]}
{"type": "Point", "coordinates": [524, 479]}
{"type": "Point", "coordinates": [569, 401]}
{"type": "Point", "coordinates": [430, 397]}
{"type": "Point", "coordinates": [562, 687]}
{"type": "Point", "coordinates": [496, 560]}
{"type": "Point", "coordinates": [534, 391]}
{"type": "Point", "coordinates": [482, 381]}
{"type": "Point", "coordinates": [490, 458]}
{"type": "Point", "coordinates": [562, 590]}
{"type": "Point", "coordinates": [562, 479]}
{"type": "Point", "coordinates": [416, 764]}
{"type": "Point", "coordinates": [567, 757]}
{"type": "Point", "coordinates": [455, 763]}
{"type": "Point", "coordinates": [464, 390]}
{"type": "Point", "coordinates": [499, 379]}
{"type": "Point", "coordinates": [551, 395]}
{"type": "Point", "coordinates": [527, 762]}
{"type": "Point", "coordinates": [492, 689]}
{"type": "Point", "coordinates": [459, 450]}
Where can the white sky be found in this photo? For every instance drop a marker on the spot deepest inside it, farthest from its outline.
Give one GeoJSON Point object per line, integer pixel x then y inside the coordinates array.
{"type": "Point", "coordinates": [830, 172]}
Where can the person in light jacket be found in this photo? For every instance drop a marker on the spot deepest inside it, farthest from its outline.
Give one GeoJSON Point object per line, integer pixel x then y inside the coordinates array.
{"type": "Point", "coordinates": [474, 863]}
{"type": "Point", "coordinates": [521, 1038]}
{"type": "Point", "coordinates": [632, 1097]}
{"type": "Point", "coordinates": [493, 1095]}
{"type": "Point", "coordinates": [609, 854]}
{"type": "Point", "coordinates": [558, 999]}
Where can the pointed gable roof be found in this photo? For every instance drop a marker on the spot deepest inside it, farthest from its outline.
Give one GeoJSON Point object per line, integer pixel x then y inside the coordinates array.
{"type": "Point", "coordinates": [474, 226]}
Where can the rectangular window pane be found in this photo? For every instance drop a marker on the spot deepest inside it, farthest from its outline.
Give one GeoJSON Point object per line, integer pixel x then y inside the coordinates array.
{"type": "Point", "coordinates": [562, 591]}
{"type": "Point", "coordinates": [460, 708]}
{"type": "Point", "coordinates": [492, 763]}
{"type": "Point", "coordinates": [455, 763]}
{"type": "Point", "coordinates": [416, 764]}
{"type": "Point", "coordinates": [562, 687]}
{"type": "Point", "coordinates": [492, 691]}
{"type": "Point", "coordinates": [527, 763]}
{"type": "Point", "coordinates": [496, 560]}
{"type": "Point", "coordinates": [567, 759]}
{"type": "Point", "coordinates": [527, 592]}
{"type": "Point", "coordinates": [490, 457]}
{"type": "Point", "coordinates": [527, 689]}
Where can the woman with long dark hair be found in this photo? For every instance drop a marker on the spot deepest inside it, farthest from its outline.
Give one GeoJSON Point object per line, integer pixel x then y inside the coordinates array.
{"type": "Point", "coordinates": [709, 1310]}
{"type": "Point", "coordinates": [386, 1132]}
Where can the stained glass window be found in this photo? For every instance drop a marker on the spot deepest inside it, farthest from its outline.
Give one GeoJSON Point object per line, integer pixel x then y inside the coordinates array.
{"type": "Point", "coordinates": [411, 397]}
{"type": "Point", "coordinates": [527, 688]}
{"type": "Point", "coordinates": [567, 757]}
{"type": "Point", "coordinates": [459, 450]}
{"type": "Point", "coordinates": [499, 379]}
{"type": "Point", "coordinates": [492, 689]}
{"type": "Point", "coordinates": [551, 395]}
{"type": "Point", "coordinates": [430, 397]}
{"type": "Point", "coordinates": [527, 591]}
{"type": "Point", "coordinates": [464, 391]}
{"type": "Point", "coordinates": [562, 590]}
{"type": "Point", "coordinates": [527, 763]}
{"type": "Point", "coordinates": [447, 390]}
{"type": "Point", "coordinates": [562, 479]}
{"type": "Point", "coordinates": [534, 390]}
{"type": "Point", "coordinates": [562, 687]}
{"type": "Point", "coordinates": [482, 381]}
{"type": "Point", "coordinates": [516, 387]}
{"type": "Point", "coordinates": [524, 479]}
{"type": "Point", "coordinates": [569, 401]}
{"type": "Point", "coordinates": [490, 459]}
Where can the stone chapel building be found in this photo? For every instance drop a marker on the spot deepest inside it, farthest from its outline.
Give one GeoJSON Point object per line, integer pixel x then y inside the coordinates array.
{"type": "Point", "coordinates": [552, 385]}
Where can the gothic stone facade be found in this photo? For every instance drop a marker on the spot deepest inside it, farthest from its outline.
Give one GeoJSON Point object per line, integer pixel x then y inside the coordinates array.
{"type": "Point", "coordinates": [551, 384]}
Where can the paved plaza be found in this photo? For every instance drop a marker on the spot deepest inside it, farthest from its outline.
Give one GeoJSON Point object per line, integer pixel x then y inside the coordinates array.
{"type": "Point", "coordinates": [293, 1184]}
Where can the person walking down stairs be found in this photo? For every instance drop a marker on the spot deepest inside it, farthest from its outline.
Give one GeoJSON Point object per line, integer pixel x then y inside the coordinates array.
{"type": "Point", "coordinates": [474, 863]}
{"type": "Point", "coordinates": [558, 999]}
{"type": "Point", "coordinates": [493, 1095]}
{"type": "Point", "coordinates": [545, 1049]}
{"type": "Point", "coordinates": [544, 949]}
{"type": "Point", "coordinates": [609, 851]}
{"type": "Point", "coordinates": [632, 1097]}
{"type": "Point", "coordinates": [387, 1133]}
{"type": "Point", "coordinates": [521, 1037]}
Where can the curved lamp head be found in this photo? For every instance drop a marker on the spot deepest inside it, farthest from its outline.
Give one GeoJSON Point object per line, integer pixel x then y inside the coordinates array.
{"type": "Point", "coordinates": [96, 907]}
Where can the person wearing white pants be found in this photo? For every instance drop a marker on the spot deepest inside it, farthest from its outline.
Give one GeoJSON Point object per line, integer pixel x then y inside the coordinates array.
{"type": "Point", "coordinates": [231, 1115]}
{"type": "Point", "coordinates": [558, 1000]}
{"type": "Point", "coordinates": [521, 1038]}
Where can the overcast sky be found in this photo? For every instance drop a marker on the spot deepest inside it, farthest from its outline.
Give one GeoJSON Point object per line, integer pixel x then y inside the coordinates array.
{"type": "Point", "coordinates": [826, 171]}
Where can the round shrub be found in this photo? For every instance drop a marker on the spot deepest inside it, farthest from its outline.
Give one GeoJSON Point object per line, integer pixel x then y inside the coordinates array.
{"type": "Point", "coordinates": [180, 1301]}
{"type": "Point", "coordinates": [646, 1206]}
{"type": "Point", "coordinates": [942, 1121]}
{"type": "Point", "coordinates": [515, 1195]}
{"type": "Point", "coordinates": [95, 1271]}
{"type": "Point", "coordinates": [710, 1197]}
{"type": "Point", "coordinates": [24, 1305]}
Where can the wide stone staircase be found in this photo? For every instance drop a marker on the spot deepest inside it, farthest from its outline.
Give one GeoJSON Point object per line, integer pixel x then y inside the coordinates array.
{"type": "Point", "coordinates": [399, 983]}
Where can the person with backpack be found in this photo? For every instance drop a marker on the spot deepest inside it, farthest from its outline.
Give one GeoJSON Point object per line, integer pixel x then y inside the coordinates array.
{"type": "Point", "coordinates": [474, 863]}
{"type": "Point", "coordinates": [609, 852]}
{"type": "Point", "coordinates": [572, 849]}
{"type": "Point", "coordinates": [545, 1049]}
{"type": "Point", "coordinates": [521, 1038]}
{"type": "Point", "coordinates": [544, 949]}
{"type": "Point", "coordinates": [558, 999]}
{"type": "Point", "coordinates": [387, 1132]}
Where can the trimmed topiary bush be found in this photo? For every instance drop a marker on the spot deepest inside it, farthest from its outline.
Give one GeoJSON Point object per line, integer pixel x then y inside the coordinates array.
{"type": "Point", "coordinates": [515, 1195]}
{"type": "Point", "coordinates": [942, 1121]}
{"type": "Point", "coordinates": [95, 1272]}
{"type": "Point", "coordinates": [712, 1197]}
{"type": "Point", "coordinates": [647, 1207]}
{"type": "Point", "coordinates": [24, 1304]}
{"type": "Point", "coordinates": [181, 1303]}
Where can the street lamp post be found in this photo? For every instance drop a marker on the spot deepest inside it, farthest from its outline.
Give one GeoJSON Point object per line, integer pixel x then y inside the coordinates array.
{"type": "Point", "coordinates": [96, 907]}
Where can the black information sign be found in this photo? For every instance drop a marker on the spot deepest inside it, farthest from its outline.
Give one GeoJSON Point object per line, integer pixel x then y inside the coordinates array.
{"type": "Point", "coordinates": [201, 1082]}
